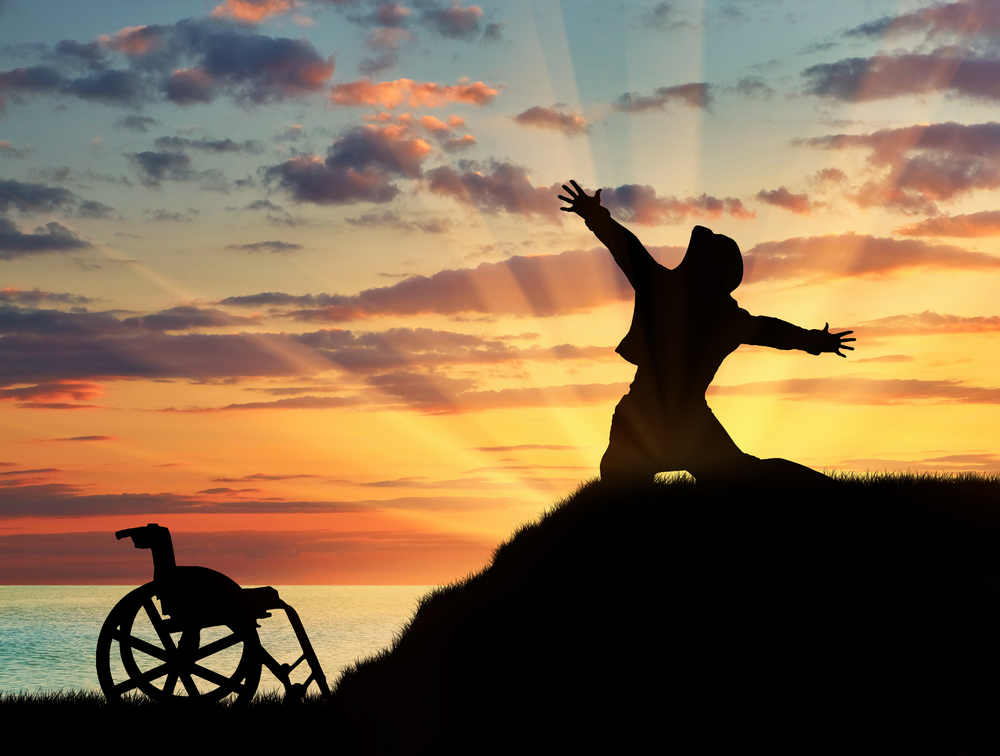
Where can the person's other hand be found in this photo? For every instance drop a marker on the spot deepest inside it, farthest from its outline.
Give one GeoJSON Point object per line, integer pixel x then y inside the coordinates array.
{"type": "Point", "coordinates": [834, 342]}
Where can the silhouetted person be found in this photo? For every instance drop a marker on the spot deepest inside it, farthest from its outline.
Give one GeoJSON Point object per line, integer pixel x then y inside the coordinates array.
{"type": "Point", "coordinates": [684, 325]}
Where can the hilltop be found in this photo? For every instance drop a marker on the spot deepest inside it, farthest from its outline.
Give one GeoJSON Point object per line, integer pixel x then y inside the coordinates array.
{"type": "Point", "coordinates": [698, 620]}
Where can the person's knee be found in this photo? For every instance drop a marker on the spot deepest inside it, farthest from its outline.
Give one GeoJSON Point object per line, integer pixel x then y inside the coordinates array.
{"type": "Point", "coordinates": [621, 468]}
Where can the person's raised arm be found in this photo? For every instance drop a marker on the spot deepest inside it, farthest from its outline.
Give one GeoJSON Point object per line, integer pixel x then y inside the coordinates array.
{"type": "Point", "coordinates": [624, 246]}
{"type": "Point", "coordinates": [772, 332]}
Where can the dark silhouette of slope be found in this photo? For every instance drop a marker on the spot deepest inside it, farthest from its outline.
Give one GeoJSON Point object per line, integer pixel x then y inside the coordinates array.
{"type": "Point", "coordinates": [859, 618]}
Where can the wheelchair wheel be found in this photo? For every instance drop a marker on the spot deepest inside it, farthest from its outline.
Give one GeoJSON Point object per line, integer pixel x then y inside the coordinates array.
{"type": "Point", "coordinates": [136, 650]}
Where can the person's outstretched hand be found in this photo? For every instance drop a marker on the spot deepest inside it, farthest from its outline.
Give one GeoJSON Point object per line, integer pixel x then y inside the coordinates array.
{"type": "Point", "coordinates": [834, 342]}
{"type": "Point", "coordinates": [584, 206]}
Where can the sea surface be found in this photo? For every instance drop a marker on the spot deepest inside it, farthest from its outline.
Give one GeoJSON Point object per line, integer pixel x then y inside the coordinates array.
{"type": "Point", "coordinates": [48, 634]}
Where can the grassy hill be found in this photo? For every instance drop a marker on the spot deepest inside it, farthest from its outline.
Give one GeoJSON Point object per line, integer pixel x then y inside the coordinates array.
{"type": "Point", "coordinates": [858, 618]}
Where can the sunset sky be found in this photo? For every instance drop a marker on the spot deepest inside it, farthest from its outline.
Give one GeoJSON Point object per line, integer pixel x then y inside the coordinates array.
{"type": "Point", "coordinates": [290, 276]}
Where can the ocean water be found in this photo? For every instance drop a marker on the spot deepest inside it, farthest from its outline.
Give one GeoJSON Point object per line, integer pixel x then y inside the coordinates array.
{"type": "Point", "coordinates": [48, 634]}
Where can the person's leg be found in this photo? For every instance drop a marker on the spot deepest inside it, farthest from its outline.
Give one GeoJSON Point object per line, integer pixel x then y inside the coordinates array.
{"type": "Point", "coordinates": [714, 457]}
{"type": "Point", "coordinates": [709, 452]}
{"type": "Point", "coordinates": [631, 455]}
{"type": "Point", "coordinates": [786, 471]}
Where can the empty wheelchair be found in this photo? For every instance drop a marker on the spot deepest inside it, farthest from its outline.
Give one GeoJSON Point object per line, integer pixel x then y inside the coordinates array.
{"type": "Point", "coordinates": [190, 635]}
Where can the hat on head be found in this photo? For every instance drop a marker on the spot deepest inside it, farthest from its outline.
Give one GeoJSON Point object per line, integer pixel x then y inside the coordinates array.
{"type": "Point", "coordinates": [712, 261]}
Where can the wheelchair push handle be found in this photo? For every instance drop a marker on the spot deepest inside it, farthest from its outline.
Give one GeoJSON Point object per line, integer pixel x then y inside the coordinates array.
{"type": "Point", "coordinates": [157, 539]}
{"type": "Point", "coordinates": [145, 537]}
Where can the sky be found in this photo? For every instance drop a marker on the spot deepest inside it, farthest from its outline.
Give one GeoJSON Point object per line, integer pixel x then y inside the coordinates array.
{"type": "Point", "coordinates": [290, 277]}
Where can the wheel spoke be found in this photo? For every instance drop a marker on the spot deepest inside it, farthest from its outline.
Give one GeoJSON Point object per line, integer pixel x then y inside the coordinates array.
{"type": "Point", "coordinates": [158, 624]}
{"type": "Point", "coordinates": [216, 646]}
{"type": "Point", "coordinates": [170, 684]}
{"type": "Point", "coordinates": [148, 648]}
{"type": "Point", "coordinates": [189, 686]}
{"type": "Point", "coordinates": [124, 687]}
{"type": "Point", "coordinates": [214, 677]}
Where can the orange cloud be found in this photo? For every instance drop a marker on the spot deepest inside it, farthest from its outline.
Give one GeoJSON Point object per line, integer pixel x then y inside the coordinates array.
{"type": "Point", "coordinates": [538, 117]}
{"type": "Point", "coordinates": [849, 255]}
{"type": "Point", "coordinates": [928, 322]}
{"type": "Point", "coordinates": [923, 164]}
{"type": "Point", "coordinates": [539, 286]}
{"type": "Point", "coordinates": [132, 40]}
{"type": "Point", "coordinates": [781, 197]}
{"type": "Point", "coordinates": [390, 94]}
{"type": "Point", "coordinates": [964, 226]}
{"type": "Point", "coordinates": [53, 392]}
{"type": "Point", "coordinates": [435, 125]}
{"type": "Point", "coordinates": [252, 11]}
{"type": "Point", "coordinates": [641, 204]}
{"type": "Point", "coordinates": [873, 391]}
{"type": "Point", "coordinates": [308, 556]}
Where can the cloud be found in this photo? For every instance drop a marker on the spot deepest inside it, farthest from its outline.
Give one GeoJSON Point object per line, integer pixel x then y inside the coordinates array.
{"type": "Point", "coordinates": [359, 167]}
{"type": "Point", "coordinates": [81, 324]}
{"type": "Point", "coordinates": [553, 120]}
{"type": "Point", "coordinates": [95, 209]}
{"type": "Point", "coordinates": [136, 123]}
{"type": "Point", "coordinates": [922, 165]}
{"type": "Point", "coordinates": [460, 144]}
{"type": "Point", "coordinates": [255, 477]}
{"type": "Point", "coordinates": [928, 322]}
{"type": "Point", "coordinates": [494, 32]}
{"type": "Point", "coordinates": [390, 14]}
{"type": "Point", "coordinates": [87, 438]}
{"type": "Point", "coordinates": [870, 391]}
{"type": "Point", "coordinates": [661, 17]}
{"type": "Point", "coordinates": [538, 286]}
{"type": "Point", "coordinates": [192, 61]}
{"type": "Point", "coordinates": [692, 95]}
{"type": "Point", "coordinates": [389, 219]}
{"type": "Point", "coordinates": [960, 463]}
{"type": "Point", "coordinates": [524, 447]}
{"type": "Point", "coordinates": [390, 94]}
{"type": "Point", "coordinates": [278, 247]}
{"type": "Point", "coordinates": [855, 255]}
{"type": "Point", "coordinates": [52, 237]}
{"type": "Point", "coordinates": [964, 18]}
{"type": "Point", "coordinates": [54, 351]}
{"type": "Point", "coordinates": [437, 394]}
{"type": "Point", "coordinates": [53, 392]}
{"type": "Point", "coordinates": [33, 198]}
{"type": "Point", "coordinates": [186, 318]}
{"type": "Point", "coordinates": [252, 11]}
{"type": "Point", "coordinates": [253, 557]}
{"type": "Point", "coordinates": [376, 64]}
{"type": "Point", "coordinates": [186, 216]}
{"type": "Point", "coordinates": [294, 403]}
{"type": "Point", "coordinates": [641, 204]}
{"type": "Point", "coordinates": [154, 168]}
{"type": "Point", "coordinates": [388, 39]}
{"type": "Point", "coordinates": [781, 197]}
{"type": "Point", "coordinates": [454, 21]}
{"type": "Point", "coordinates": [827, 176]}
{"type": "Point", "coordinates": [44, 346]}
{"type": "Point", "coordinates": [33, 297]}
{"type": "Point", "coordinates": [500, 186]}
{"type": "Point", "coordinates": [755, 88]}
{"type": "Point", "coordinates": [886, 76]}
{"type": "Point", "coordinates": [249, 146]}
{"type": "Point", "coordinates": [10, 151]}
{"type": "Point", "coordinates": [973, 225]}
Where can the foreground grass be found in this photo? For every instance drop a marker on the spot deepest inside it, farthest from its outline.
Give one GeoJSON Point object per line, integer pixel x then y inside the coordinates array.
{"type": "Point", "coordinates": [68, 718]}
{"type": "Point", "coordinates": [858, 618]}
